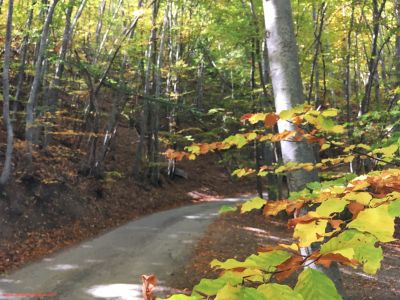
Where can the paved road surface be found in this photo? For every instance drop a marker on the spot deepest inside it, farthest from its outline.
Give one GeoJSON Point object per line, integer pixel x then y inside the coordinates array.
{"type": "Point", "coordinates": [110, 266]}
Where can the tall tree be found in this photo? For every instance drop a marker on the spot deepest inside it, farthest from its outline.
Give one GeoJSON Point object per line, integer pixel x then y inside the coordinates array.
{"type": "Point", "coordinates": [5, 174]}
{"type": "Point", "coordinates": [30, 107]}
{"type": "Point", "coordinates": [288, 93]}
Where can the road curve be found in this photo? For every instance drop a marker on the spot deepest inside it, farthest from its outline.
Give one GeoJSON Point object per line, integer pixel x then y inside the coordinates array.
{"type": "Point", "coordinates": [110, 266]}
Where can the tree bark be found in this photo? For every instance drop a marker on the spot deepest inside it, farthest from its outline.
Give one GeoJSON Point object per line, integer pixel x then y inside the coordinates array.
{"type": "Point", "coordinates": [288, 93]}
{"type": "Point", "coordinates": [30, 107]}
{"type": "Point", "coordinates": [6, 172]}
{"type": "Point", "coordinates": [22, 58]}
{"type": "Point", "coordinates": [374, 56]}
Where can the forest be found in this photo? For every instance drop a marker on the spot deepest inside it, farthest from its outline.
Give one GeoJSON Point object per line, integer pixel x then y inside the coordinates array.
{"type": "Point", "coordinates": [114, 109]}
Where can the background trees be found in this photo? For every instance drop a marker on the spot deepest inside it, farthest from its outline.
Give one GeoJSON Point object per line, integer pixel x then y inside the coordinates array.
{"type": "Point", "coordinates": [180, 73]}
{"type": "Point", "coordinates": [180, 59]}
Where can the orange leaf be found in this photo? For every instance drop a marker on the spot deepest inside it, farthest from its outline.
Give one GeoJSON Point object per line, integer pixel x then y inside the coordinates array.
{"type": "Point", "coordinates": [355, 208]}
{"type": "Point", "coordinates": [204, 148]}
{"type": "Point", "coordinates": [149, 283]}
{"type": "Point", "coordinates": [294, 206]}
{"type": "Point", "coordinates": [327, 260]}
{"type": "Point", "coordinates": [274, 207]}
{"type": "Point", "coordinates": [336, 223]}
{"type": "Point", "coordinates": [270, 120]}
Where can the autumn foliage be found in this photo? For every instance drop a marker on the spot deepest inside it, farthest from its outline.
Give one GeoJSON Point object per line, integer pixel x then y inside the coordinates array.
{"type": "Point", "coordinates": [347, 219]}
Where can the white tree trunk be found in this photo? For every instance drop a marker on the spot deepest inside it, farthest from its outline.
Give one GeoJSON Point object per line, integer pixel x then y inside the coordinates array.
{"type": "Point", "coordinates": [30, 107]}
{"type": "Point", "coordinates": [286, 83]}
{"type": "Point", "coordinates": [288, 93]}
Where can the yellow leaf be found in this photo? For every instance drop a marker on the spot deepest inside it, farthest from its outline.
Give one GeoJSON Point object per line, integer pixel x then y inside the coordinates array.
{"type": "Point", "coordinates": [332, 112]}
{"type": "Point", "coordinates": [349, 159]}
{"type": "Point", "coordinates": [388, 151]}
{"type": "Point", "coordinates": [310, 232]}
{"type": "Point", "coordinates": [257, 118]}
{"type": "Point", "coordinates": [338, 129]}
{"type": "Point", "coordinates": [376, 221]}
{"type": "Point", "coordinates": [360, 197]}
{"type": "Point", "coordinates": [325, 147]}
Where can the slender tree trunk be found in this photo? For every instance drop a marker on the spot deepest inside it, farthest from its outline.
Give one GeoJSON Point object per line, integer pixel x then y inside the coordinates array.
{"type": "Point", "coordinates": [374, 56]}
{"type": "Point", "coordinates": [145, 105]}
{"type": "Point", "coordinates": [347, 91]}
{"type": "Point", "coordinates": [319, 19]}
{"type": "Point", "coordinates": [155, 122]}
{"type": "Point", "coordinates": [30, 108]}
{"type": "Point", "coordinates": [23, 57]}
{"type": "Point", "coordinates": [200, 85]}
{"type": "Point", "coordinates": [105, 35]}
{"type": "Point", "coordinates": [6, 172]}
{"type": "Point", "coordinates": [288, 93]}
{"type": "Point", "coordinates": [52, 96]}
{"type": "Point", "coordinates": [99, 25]}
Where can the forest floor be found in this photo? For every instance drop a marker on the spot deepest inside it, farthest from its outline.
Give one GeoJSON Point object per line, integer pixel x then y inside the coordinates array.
{"type": "Point", "coordinates": [55, 206]}
{"type": "Point", "coordinates": [238, 236]}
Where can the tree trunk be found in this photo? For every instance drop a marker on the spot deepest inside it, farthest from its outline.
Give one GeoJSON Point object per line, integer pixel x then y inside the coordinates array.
{"type": "Point", "coordinates": [374, 56]}
{"type": "Point", "coordinates": [288, 93]}
{"type": "Point", "coordinates": [146, 110]}
{"type": "Point", "coordinates": [155, 122]}
{"type": "Point", "coordinates": [30, 107]}
{"type": "Point", "coordinates": [6, 173]}
{"type": "Point", "coordinates": [347, 87]}
{"type": "Point", "coordinates": [22, 59]}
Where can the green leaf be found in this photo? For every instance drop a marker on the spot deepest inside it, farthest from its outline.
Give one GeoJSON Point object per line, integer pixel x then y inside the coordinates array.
{"type": "Point", "coordinates": [314, 185]}
{"type": "Point", "coordinates": [315, 285]}
{"type": "Point", "coordinates": [266, 261]}
{"type": "Point", "coordinates": [376, 221]}
{"type": "Point", "coordinates": [330, 206]}
{"type": "Point", "coordinates": [279, 292]}
{"type": "Point", "coordinates": [363, 246]}
{"type": "Point", "coordinates": [394, 208]}
{"type": "Point", "coordinates": [210, 287]}
{"type": "Point", "coordinates": [181, 297]}
{"type": "Point", "coordinates": [227, 208]}
{"type": "Point", "coordinates": [239, 140]}
{"type": "Point", "coordinates": [255, 203]}
{"type": "Point", "coordinates": [239, 293]}
{"type": "Point", "coordinates": [325, 124]}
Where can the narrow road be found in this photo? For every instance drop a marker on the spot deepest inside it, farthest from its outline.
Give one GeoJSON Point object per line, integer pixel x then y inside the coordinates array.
{"type": "Point", "coordinates": [110, 266]}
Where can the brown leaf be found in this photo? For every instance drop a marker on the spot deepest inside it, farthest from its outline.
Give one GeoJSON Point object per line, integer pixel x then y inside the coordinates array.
{"type": "Point", "coordinates": [355, 208]}
{"type": "Point", "coordinates": [289, 267]}
{"type": "Point", "coordinates": [304, 220]}
{"type": "Point", "coordinates": [149, 283]}
{"type": "Point", "coordinates": [327, 260]}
